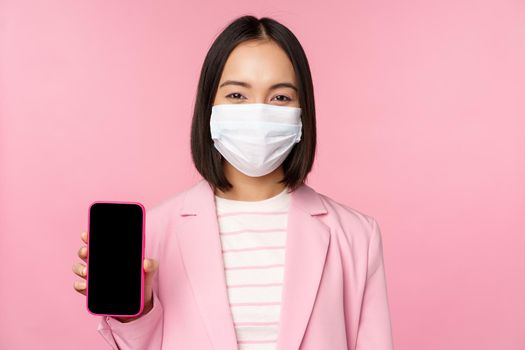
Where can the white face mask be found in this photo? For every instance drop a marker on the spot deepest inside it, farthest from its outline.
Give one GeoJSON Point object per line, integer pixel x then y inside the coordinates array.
{"type": "Point", "coordinates": [255, 137]}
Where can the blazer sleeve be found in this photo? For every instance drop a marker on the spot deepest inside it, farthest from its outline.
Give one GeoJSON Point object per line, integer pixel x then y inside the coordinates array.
{"type": "Point", "coordinates": [145, 332]}
{"type": "Point", "coordinates": [374, 330]}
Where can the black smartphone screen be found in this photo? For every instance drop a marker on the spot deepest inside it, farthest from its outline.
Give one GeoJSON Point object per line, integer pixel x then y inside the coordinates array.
{"type": "Point", "coordinates": [115, 254]}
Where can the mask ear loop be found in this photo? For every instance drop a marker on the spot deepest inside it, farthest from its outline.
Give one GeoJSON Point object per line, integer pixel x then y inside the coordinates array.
{"type": "Point", "coordinates": [219, 153]}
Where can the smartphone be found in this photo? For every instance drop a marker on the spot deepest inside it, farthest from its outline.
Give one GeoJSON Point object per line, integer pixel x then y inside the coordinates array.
{"type": "Point", "coordinates": [115, 273]}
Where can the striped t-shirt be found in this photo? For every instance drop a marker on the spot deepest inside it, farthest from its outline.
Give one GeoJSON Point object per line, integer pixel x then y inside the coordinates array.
{"type": "Point", "coordinates": [253, 238]}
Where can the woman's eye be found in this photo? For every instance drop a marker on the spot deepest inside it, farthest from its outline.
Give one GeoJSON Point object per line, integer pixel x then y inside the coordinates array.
{"type": "Point", "coordinates": [233, 94]}
{"type": "Point", "coordinates": [286, 98]}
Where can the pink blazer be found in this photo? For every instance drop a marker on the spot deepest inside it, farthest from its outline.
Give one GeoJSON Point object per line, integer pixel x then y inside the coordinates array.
{"type": "Point", "coordinates": [334, 291]}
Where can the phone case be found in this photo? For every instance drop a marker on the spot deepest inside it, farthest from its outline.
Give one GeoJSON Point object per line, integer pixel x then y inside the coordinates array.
{"type": "Point", "coordinates": [142, 259]}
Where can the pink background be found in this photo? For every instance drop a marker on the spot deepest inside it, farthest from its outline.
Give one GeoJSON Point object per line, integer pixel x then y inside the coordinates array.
{"type": "Point", "coordinates": [421, 125]}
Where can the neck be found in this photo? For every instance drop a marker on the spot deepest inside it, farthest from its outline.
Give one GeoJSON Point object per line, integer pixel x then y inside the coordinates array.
{"type": "Point", "coordinates": [247, 188]}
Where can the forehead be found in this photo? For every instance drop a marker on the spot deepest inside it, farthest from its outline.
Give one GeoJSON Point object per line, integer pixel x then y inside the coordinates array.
{"type": "Point", "coordinates": [258, 63]}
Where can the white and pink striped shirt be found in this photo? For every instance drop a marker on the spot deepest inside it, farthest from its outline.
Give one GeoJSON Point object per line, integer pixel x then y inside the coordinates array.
{"type": "Point", "coordinates": [253, 238]}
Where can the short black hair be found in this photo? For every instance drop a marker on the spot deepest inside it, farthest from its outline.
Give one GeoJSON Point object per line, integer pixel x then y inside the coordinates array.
{"type": "Point", "coordinates": [206, 158]}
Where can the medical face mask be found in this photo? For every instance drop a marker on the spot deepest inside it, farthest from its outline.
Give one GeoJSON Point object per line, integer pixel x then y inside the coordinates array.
{"type": "Point", "coordinates": [255, 137]}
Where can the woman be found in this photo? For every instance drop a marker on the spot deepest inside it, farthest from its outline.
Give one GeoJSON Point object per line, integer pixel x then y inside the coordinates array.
{"type": "Point", "coordinates": [250, 257]}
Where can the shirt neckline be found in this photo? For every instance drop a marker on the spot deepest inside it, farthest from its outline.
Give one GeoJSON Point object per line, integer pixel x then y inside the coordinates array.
{"type": "Point", "coordinates": [275, 198]}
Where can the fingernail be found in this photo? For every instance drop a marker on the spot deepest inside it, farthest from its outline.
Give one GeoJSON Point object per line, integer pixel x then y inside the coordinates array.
{"type": "Point", "coordinates": [84, 271]}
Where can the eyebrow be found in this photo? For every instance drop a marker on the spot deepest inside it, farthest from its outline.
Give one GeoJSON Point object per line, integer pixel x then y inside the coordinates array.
{"type": "Point", "coordinates": [246, 85]}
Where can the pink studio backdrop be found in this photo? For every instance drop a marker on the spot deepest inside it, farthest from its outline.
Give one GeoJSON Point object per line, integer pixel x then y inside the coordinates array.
{"type": "Point", "coordinates": [421, 124]}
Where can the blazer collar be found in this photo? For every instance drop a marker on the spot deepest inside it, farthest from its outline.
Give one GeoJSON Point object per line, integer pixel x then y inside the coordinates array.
{"type": "Point", "coordinates": [307, 244]}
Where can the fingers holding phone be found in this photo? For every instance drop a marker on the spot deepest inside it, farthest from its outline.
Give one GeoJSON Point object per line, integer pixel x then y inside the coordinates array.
{"type": "Point", "coordinates": [150, 268]}
{"type": "Point", "coordinates": [80, 269]}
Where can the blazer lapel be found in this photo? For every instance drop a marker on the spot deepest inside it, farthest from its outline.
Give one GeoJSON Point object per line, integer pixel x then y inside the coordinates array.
{"type": "Point", "coordinates": [201, 251]}
{"type": "Point", "coordinates": [306, 247]}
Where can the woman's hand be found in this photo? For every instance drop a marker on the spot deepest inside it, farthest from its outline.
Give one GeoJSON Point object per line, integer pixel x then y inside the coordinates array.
{"type": "Point", "coordinates": [150, 268]}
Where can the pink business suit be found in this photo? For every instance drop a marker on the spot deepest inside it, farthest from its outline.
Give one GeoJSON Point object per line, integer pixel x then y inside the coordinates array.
{"type": "Point", "coordinates": [334, 293]}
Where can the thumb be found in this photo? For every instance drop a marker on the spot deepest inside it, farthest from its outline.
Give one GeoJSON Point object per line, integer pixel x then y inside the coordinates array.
{"type": "Point", "coordinates": [150, 266]}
